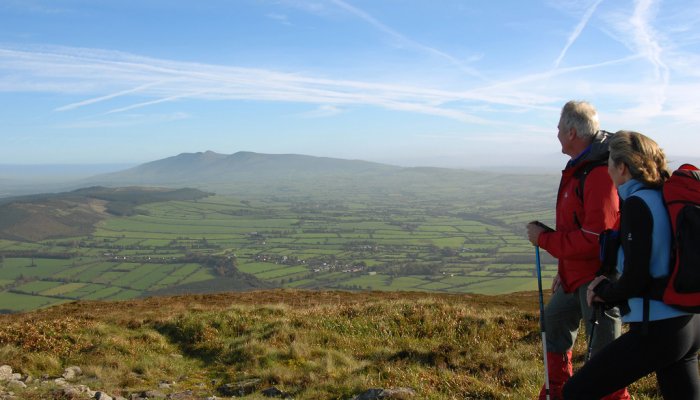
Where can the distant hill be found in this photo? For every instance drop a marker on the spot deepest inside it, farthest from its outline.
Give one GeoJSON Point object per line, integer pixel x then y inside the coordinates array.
{"type": "Point", "coordinates": [292, 175]}
{"type": "Point", "coordinates": [211, 167]}
{"type": "Point", "coordinates": [54, 215]}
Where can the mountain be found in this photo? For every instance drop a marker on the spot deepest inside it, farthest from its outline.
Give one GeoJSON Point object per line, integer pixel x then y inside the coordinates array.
{"type": "Point", "coordinates": [295, 176]}
{"type": "Point", "coordinates": [211, 167]}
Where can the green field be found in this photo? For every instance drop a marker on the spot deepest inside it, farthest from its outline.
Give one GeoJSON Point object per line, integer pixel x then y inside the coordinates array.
{"type": "Point", "coordinates": [469, 243]}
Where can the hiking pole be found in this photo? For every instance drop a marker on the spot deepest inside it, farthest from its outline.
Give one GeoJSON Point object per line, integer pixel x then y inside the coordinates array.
{"type": "Point", "coordinates": [542, 330]}
{"type": "Point", "coordinates": [594, 322]}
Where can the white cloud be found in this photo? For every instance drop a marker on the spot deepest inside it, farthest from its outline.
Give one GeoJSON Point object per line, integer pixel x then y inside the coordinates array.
{"type": "Point", "coordinates": [323, 111]}
{"type": "Point", "coordinates": [31, 6]}
{"type": "Point", "coordinates": [110, 75]}
{"type": "Point", "coordinates": [281, 18]}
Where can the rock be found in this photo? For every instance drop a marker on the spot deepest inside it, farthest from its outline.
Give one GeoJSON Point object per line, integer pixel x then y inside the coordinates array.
{"type": "Point", "coordinates": [393, 393]}
{"type": "Point", "coordinates": [241, 388]}
{"type": "Point", "coordinates": [7, 396]}
{"type": "Point", "coordinates": [5, 373]}
{"type": "Point", "coordinates": [153, 394]}
{"type": "Point", "coordinates": [71, 392]}
{"type": "Point", "coordinates": [14, 385]}
{"type": "Point", "coordinates": [187, 394]}
{"type": "Point", "coordinates": [274, 392]}
{"type": "Point", "coordinates": [16, 377]}
{"type": "Point", "coordinates": [102, 396]}
{"type": "Point", "coordinates": [80, 391]}
{"type": "Point", "coordinates": [398, 393]}
{"type": "Point", "coordinates": [85, 389]}
{"type": "Point", "coordinates": [60, 382]}
{"type": "Point", "coordinates": [71, 373]}
{"type": "Point", "coordinates": [370, 394]}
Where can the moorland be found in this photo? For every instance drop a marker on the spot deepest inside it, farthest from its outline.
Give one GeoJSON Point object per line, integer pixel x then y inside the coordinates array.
{"type": "Point", "coordinates": [304, 344]}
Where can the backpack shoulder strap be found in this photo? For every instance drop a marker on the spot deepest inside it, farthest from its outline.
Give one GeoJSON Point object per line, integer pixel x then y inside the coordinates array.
{"type": "Point", "coordinates": [582, 173]}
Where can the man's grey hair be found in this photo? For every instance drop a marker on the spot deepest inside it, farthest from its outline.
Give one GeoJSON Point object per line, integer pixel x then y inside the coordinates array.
{"type": "Point", "coordinates": [582, 116]}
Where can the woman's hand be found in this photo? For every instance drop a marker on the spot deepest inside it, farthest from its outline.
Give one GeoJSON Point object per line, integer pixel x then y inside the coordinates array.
{"type": "Point", "coordinates": [590, 294]}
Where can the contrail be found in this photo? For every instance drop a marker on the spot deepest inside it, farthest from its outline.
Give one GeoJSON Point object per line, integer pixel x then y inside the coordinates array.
{"type": "Point", "coordinates": [577, 32]}
{"type": "Point", "coordinates": [401, 38]}
{"type": "Point", "coordinates": [648, 46]}
{"type": "Point", "coordinates": [646, 40]}
{"type": "Point", "coordinates": [73, 106]}
{"type": "Point", "coordinates": [148, 103]}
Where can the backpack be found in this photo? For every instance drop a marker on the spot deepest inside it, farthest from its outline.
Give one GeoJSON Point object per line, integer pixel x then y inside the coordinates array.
{"type": "Point", "coordinates": [582, 173]}
{"type": "Point", "coordinates": [681, 288]}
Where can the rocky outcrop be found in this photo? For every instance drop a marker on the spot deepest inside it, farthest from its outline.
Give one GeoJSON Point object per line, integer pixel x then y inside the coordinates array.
{"type": "Point", "coordinates": [13, 385]}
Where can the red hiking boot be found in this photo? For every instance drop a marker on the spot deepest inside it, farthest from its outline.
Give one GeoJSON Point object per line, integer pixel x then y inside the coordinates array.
{"type": "Point", "coordinates": [619, 395]}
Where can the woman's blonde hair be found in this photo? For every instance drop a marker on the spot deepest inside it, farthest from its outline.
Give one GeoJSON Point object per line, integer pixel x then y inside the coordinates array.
{"type": "Point", "coordinates": [644, 158]}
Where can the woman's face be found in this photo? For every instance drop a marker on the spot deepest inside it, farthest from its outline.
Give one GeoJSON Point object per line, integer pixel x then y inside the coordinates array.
{"type": "Point", "coordinates": [618, 172]}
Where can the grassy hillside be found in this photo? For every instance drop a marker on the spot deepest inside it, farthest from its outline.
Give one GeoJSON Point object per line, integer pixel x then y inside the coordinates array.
{"type": "Point", "coordinates": [60, 215]}
{"type": "Point", "coordinates": [311, 345]}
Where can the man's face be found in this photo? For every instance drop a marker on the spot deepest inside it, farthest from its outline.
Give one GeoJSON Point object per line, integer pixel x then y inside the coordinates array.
{"type": "Point", "coordinates": [564, 136]}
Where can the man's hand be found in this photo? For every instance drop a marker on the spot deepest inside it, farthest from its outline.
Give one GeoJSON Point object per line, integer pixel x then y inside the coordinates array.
{"type": "Point", "coordinates": [533, 232]}
{"type": "Point", "coordinates": [590, 294]}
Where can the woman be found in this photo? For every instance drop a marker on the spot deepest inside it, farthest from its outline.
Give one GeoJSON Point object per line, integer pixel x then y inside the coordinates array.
{"type": "Point", "coordinates": [668, 343]}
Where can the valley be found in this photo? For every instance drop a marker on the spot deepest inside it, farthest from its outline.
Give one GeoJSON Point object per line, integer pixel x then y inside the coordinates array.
{"type": "Point", "coordinates": [328, 244]}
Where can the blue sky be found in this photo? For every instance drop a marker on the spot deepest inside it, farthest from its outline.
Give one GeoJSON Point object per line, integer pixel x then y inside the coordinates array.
{"type": "Point", "coordinates": [406, 82]}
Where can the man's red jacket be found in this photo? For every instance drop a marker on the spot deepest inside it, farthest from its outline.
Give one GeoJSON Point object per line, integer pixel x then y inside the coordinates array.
{"type": "Point", "coordinates": [579, 223]}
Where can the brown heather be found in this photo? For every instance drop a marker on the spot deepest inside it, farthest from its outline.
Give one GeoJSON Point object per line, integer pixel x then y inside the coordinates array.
{"type": "Point", "coordinates": [311, 344]}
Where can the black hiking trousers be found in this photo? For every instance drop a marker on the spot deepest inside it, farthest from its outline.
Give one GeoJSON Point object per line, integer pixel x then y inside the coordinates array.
{"type": "Point", "coordinates": [669, 348]}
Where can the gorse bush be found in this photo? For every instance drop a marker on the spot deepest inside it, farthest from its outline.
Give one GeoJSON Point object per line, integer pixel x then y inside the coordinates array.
{"type": "Point", "coordinates": [62, 338]}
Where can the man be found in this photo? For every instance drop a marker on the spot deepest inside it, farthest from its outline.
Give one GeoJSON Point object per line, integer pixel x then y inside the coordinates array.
{"type": "Point", "coordinates": [587, 204]}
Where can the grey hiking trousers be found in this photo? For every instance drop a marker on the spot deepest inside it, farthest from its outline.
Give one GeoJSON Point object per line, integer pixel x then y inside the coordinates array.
{"type": "Point", "coordinates": [564, 313]}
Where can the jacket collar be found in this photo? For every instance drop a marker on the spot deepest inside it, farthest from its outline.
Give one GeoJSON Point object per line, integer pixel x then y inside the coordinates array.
{"type": "Point", "coordinates": [598, 150]}
{"type": "Point", "coordinates": [629, 188]}
{"type": "Point", "coordinates": [579, 157]}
